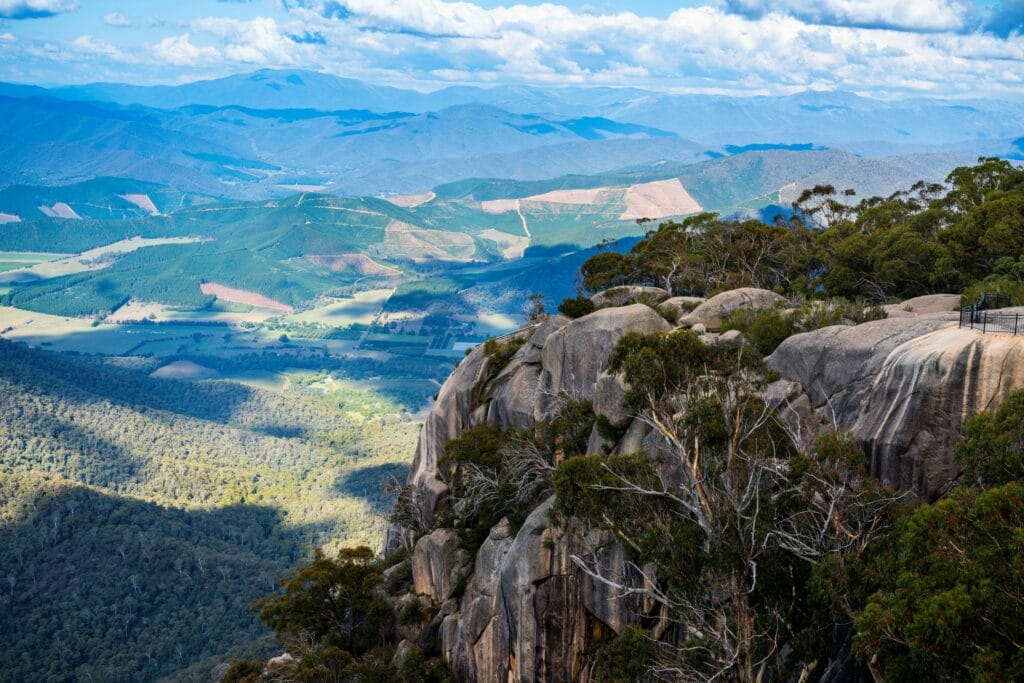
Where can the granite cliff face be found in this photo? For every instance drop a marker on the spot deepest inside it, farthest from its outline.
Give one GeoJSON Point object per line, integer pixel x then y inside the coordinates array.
{"type": "Point", "coordinates": [903, 386]}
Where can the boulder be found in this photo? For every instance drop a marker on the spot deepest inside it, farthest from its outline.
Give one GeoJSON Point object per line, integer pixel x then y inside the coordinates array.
{"type": "Point", "coordinates": [609, 395]}
{"type": "Point", "coordinates": [734, 337]}
{"type": "Point", "coordinates": [575, 355]}
{"type": "Point", "coordinates": [631, 294]}
{"type": "Point", "coordinates": [681, 304]}
{"type": "Point", "coordinates": [711, 312]}
{"type": "Point", "coordinates": [531, 352]}
{"type": "Point", "coordinates": [282, 661]}
{"type": "Point", "coordinates": [513, 395]}
{"type": "Point", "coordinates": [922, 305]}
{"type": "Point", "coordinates": [597, 444]}
{"type": "Point", "coordinates": [633, 440]}
{"type": "Point", "coordinates": [437, 563]}
{"type": "Point", "coordinates": [903, 387]}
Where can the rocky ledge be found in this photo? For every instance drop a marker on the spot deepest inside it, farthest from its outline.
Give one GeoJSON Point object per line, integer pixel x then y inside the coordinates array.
{"type": "Point", "coordinates": [902, 385]}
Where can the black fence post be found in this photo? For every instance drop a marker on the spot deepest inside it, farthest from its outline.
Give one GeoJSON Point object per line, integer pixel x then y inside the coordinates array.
{"type": "Point", "coordinates": [984, 323]}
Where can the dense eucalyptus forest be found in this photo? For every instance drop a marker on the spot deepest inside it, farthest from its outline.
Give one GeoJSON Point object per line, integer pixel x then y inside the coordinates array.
{"type": "Point", "coordinates": [153, 512]}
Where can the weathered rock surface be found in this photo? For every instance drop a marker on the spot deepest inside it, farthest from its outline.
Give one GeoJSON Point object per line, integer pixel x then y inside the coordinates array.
{"type": "Point", "coordinates": [681, 304]}
{"type": "Point", "coordinates": [574, 355]}
{"type": "Point", "coordinates": [529, 614]}
{"type": "Point", "coordinates": [436, 564]}
{"type": "Point", "coordinates": [448, 417]}
{"type": "Point", "coordinates": [903, 387]}
{"type": "Point", "coordinates": [630, 294]}
{"type": "Point", "coordinates": [734, 337]}
{"type": "Point", "coordinates": [513, 400]}
{"type": "Point", "coordinates": [609, 395]}
{"type": "Point", "coordinates": [531, 353]}
{"type": "Point", "coordinates": [920, 305]}
{"type": "Point", "coordinates": [711, 312]}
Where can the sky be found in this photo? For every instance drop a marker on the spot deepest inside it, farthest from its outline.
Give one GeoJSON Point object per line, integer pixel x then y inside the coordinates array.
{"type": "Point", "coordinates": [884, 48]}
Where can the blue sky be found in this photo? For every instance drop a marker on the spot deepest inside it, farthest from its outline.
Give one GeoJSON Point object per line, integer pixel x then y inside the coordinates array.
{"type": "Point", "coordinates": [954, 48]}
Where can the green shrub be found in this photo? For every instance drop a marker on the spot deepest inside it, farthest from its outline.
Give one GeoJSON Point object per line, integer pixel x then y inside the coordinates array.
{"type": "Point", "coordinates": [669, 313]}
{"type": "Point", "coordinates": [499, 354]}
{"type": "Point", "coordinates": [327, 592]}
{"type": "Point", "coordinates": [992, 451]}
{"type": "Point", "coordinates": [657, 364]}
{"type": "Point", "coordinates": [417, 667]}
{"type": "Point", "coordinates": [953, 612]}
{"type": "Point", "coordinates": [577, 307]}
{"type": "Point", "coordinates": [628, 658]}
{"type": "Point", "coordinates": [1010, 287]}
{"type": "Point", "coordinates": [400, 578]}
{"type": "Point", "coordinates": [479, 445]}
{"type": "Point", "coordinates": [569, 429]}
{"type": "Point", "coordinates": [764, 328]}
{"type": "Point", "coordinates": [412, 612]}
{"type": "Point", "coordinates": [244, 671]}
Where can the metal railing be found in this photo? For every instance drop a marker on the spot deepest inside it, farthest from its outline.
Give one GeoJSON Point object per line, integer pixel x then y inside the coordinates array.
{"type": "Point", "coordinates": [981, 316]}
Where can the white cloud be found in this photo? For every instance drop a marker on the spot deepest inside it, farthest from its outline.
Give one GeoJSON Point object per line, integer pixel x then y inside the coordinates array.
{"type": "Point", "coordinates": [767, 47]}
{"type": "Point", "coordinates": [116, 19]}
{"type": "Point", "coordinates": [257, 41]}
{"type": "Point", "coordinates": [736, 46]}
{"type": "Point", "coordinates": [102, 48]}
{"type": "Point", "coordinates": [913, 15]}
{"type": "Point", "coordinates": [7, 37]}
{"type": "Point", "coordinates": [33, 9]}
{"type": "Point", "coordinates": [180, 51]}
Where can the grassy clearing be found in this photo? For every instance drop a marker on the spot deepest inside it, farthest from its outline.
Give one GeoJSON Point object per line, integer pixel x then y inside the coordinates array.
{"type": "Point", "coordinates": [31, 256]}
{"type": "Point", "coordinates": [361, 309]}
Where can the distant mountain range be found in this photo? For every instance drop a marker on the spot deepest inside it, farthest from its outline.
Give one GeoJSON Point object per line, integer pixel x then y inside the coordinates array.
{"type": "Point", "coordinates": [825, 117]}
{"type": "Point", "coordinates": [267, 133]}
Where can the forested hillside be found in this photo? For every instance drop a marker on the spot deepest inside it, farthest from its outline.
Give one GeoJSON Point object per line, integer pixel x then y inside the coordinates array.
{"type": "Point", "coordinates": [154, 511]}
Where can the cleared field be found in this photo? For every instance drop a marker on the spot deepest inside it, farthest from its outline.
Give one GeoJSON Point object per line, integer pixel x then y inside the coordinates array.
{"type": "Point", "coordinates": [400, 339]}
{"type": "Point", "coordinates": [184, 369]}
{"type": "Point", "coordinates": [142, 201]}
{"type": "Point", "coordinates": [361, 309]}
{"type": "Point", "coordinates": [261, 379]}
{"type": "Point", "coordinates": [596, 195]}
{"type": "Point", "coordinates": [134, 311]}
{"type": "Point", "coordinates": [17, 318]}
{"type": "Point", "coordinates": [410, 201]}
{"type": "Point", "coordinates": [511, 246]}
{"type": "Point", "coordinates": [359, 263]}
{"type": "Point", "coordinates": [31, 256]}
{"type": "Point", "coordinates": [408, 241]}
{"type": "Point", "coordinates": [489, 324]}
{"type": "Point", "coordinates": [13, 260]}
{"type": "Point", "coordinates": [242, 296]}
{"type": "Point", "coordinates": [659, 200]}
{"type": "Point", "coordinates": [60, 210]}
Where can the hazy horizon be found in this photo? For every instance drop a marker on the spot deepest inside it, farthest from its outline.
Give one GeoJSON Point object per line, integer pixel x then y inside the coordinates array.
{"type": "Point", "coordinates": [877, 48]}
